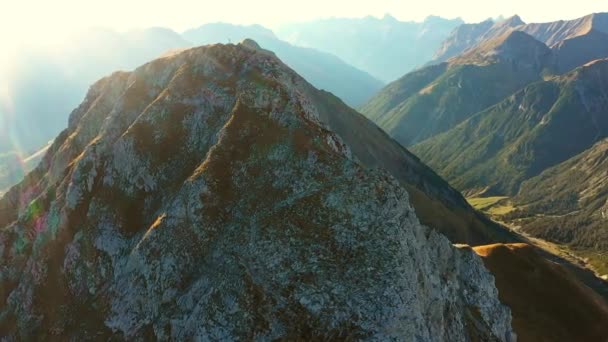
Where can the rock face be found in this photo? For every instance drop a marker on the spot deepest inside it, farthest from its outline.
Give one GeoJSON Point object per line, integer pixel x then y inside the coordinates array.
{"type": "Point", "coordinates": [202, 197]}
{"type": "Point", "coordinates": [34, 96]}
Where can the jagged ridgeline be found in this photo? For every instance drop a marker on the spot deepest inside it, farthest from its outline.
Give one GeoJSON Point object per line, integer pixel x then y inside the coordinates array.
{"type": "Point", "coordinates": [210, 195]}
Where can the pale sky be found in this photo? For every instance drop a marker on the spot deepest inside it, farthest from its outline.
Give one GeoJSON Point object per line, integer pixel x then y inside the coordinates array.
{"type": "Point", "coordinates": [32, 22]}
{"type": "Point", "coordinates": [38, 18]}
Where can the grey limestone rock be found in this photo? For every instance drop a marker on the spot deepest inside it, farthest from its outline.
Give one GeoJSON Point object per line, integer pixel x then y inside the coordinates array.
{"type": "Point", "coordinates": [201, 197]}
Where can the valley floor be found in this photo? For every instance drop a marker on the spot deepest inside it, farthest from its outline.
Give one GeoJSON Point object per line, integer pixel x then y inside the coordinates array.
{"type": "Point", "coordinates": [593, 261]}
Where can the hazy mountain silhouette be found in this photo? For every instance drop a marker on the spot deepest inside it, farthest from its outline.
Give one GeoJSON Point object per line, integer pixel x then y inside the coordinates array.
{"type": "Point", "coordinates": [386, 48]}
{"type": "Point", "coordinates": [323, 70]}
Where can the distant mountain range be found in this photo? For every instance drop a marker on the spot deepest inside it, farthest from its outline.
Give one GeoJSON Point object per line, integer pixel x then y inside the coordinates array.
{"type": "Point", "coordinates": [385, 47]}
{"type": "Point", "coordinates": [14, 166]}
{"type": "Point", "coordinates": [556, 35]}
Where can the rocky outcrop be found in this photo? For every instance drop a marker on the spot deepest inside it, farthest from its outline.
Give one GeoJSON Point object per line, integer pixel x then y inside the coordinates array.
{"type": "Point", "coordinates": [553, 33]}
{"type": "Point", "coordinates": [202, 197]}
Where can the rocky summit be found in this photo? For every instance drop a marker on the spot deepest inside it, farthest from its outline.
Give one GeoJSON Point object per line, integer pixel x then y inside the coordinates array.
{"type": "Point", "coordinates": [201, 197]}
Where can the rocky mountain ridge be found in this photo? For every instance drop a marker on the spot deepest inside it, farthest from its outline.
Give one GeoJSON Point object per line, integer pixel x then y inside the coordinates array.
{"type": "Point", "coordinates": [551, 33]}
{"type": "Point", "coordinates": [189, 199]}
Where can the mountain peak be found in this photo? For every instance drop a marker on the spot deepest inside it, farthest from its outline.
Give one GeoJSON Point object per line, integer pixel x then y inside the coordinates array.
{"type": "Point", "coordinates": [250, 43]}
{"type": "Point", "coordinates": [389, 18]}
{"type": "Point", "coordinates": [515, 37]}
{"type": "Point", "coordinates": [599, 21]}
{"type": "Point", "coordinates": [513, 21]}
{"type": "Point", "coordinates": [435, 19]}
{"type": "Point", "coordinates": [513, 45]}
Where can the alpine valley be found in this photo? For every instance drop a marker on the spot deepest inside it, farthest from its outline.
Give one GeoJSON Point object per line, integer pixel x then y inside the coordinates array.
{"type": "Point", "coordinates": [515, 116]}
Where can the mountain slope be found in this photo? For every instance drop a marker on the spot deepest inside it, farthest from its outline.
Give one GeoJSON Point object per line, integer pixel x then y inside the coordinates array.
{"type": "Point", "coordinates": [576, 51]}
{"type": "Point", "coordinates": [380, 46]}
{"type": "Point", "coordinates": [201, 197]}
{"type": "Point", "coordinates": [437, 204]}
{"type": "Point", "coordinates": [434, 99]}
{"type": "Point", "coordinates": [323, 70]}
{"type": "Point", "coordinates": [572, 198]}
{"type": "Point", "coordinates": [467, 36]}
{"type": "Point", "coordinates": [554, 32]}
{"type": "Point", "coordinates": [548, 303]}
{"type": "Point", "coordinates": [538, 127]}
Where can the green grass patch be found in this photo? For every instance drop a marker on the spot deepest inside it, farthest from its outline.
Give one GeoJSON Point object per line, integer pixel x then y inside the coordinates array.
{"type": "Point", "coordinates": [493, 206]}
{"type": "Point", "coordinates": [501, 209]}
{"type": "Point", "coordinates": [482, 203]}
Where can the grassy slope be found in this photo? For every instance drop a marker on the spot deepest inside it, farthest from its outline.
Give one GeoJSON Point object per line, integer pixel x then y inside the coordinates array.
{"type": "Point", "coordinates": [544, 147]}
{"type": "Point", "coordinates": [452, 97]}
{"type": "Point", "coordinates": [434, 99]}
{"type": "Point", "coordinates": [528, 132]}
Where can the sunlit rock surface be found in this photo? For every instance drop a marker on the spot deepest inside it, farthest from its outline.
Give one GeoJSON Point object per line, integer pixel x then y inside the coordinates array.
{"type": "Point", "coordinates": [202, 198]}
